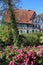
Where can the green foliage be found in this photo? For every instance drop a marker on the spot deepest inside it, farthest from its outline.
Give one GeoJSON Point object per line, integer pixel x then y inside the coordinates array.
{"type": "Point", "coordinates": [41, 15]}
{"type": "Point", "coordinates": [5, 35]}
{"type": "Point", "coordinates": [38, 33]}
{"type": "Point", "coordinates": [9, 8]}
{"type": "Point", "coordinates": [4, 32]}
{"type": "Point", "coordinates": [22, 40]}
{"type": "Point", "coordinates": [32, 39]}
{"type": "Point", "coordinates": [39, 61]}
{"type": "Point", "coordinates": [28, 39]}
{"type": "Point", "coordinates": [40, 36]}
{"type": "Point", "coordinates": [41, 39]}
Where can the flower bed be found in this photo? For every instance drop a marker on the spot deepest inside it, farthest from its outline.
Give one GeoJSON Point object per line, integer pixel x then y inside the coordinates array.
{"type": "Point", "coordinates": [22, 56]}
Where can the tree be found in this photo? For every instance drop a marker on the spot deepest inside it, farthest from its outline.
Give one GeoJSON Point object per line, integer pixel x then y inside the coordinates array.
{"type": "Point", "coordinates": [10, 4]}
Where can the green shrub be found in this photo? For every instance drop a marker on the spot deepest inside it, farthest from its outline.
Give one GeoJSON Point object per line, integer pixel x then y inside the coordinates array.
{"type": "Point", "coordinates": [38, 34]}
{"type": "Point", "coordinates": [5, 35]}
{"type": "Point", "coordinates": [41, 39]}
{"type": "Point", "coordinates": [28, 39]}
{"type": "Point", "coordinates": [32, 39]}
{"type": "Point", "coordinates": [22, 40]}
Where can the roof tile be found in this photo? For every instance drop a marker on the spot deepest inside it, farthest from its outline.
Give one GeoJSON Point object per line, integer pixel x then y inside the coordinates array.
{"type": "Point", "coordinates": [21, 16]}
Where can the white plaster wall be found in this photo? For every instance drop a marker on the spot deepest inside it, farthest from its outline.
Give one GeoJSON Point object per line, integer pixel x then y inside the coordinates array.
{"type": "Point", "coordinates": [23, 31]}
{"type": "Point", "coordinates": [30, 30]}
{"type": "Point", "coordinates": [36, 30]}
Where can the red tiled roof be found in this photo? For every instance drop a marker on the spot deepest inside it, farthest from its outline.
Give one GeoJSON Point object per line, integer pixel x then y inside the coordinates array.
{"type": "Point", "coordinates": [22, 16]}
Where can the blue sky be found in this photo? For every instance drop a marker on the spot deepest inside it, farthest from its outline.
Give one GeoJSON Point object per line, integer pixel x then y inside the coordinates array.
{"type": "Point", "coordinates": [36, 5]}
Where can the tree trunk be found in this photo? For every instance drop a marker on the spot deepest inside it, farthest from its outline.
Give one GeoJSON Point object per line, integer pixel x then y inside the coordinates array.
{"type": "Point", "coordinates": [13, 23]}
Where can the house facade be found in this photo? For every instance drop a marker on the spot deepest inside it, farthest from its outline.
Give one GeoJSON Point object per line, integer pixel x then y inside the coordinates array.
{"type": "Point", "coordinates": [26, 21]}
{"type": "Point", "coordinates": [39, 19]}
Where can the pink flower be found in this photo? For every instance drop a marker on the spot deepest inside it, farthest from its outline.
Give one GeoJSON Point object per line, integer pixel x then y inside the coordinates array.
{"type": "Point", "coordinates": [34, 57]}
{"type": "Point", "coordinates": [31, 63]}
{"type": "Point", "coordinates": [39, 46]}
{"type": "Point", "coordinates": [11, 63]}
{"type": "Point", "coordinates": [25, 56]}
{"type": "Point", "coordinates": [41, 49]}
{"type": "Point", "coordinates": [20, 56]}
{"type": "Point", "coordinates": [29, 53]}
{"type": "Point", "coordinates": [27, 61]}
{"type": "Point", "coordinates": [17, 57]}
{"type": "Point", "coordinates": [19, 50]}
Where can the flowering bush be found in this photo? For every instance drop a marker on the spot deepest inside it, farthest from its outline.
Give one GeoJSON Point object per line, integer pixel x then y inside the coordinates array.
{"type": "Point", "coordinates": [23, 56]}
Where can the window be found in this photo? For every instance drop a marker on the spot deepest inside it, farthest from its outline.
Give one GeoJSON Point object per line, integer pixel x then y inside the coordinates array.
{"type": "Point", "coordinates": [36, 30]}
{"type": "Point", "coordinates": [33, 25]}
{"type": "Point", "coordinates": [27, 31]}
{"type": "Point", "coordinates": [32, 30]}
{"type": "Point", "coordinates": [27, 25]}
{"type": "Point", "coordinates": [20, 31]}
